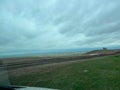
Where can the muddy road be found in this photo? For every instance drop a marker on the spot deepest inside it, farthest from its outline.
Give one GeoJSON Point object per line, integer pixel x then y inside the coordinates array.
{"type": "Point", "coordinates": [27, 62]}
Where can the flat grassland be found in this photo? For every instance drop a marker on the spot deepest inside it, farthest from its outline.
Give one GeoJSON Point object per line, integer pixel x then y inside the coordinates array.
{"type": "Point", "coordinates": [97, 74]}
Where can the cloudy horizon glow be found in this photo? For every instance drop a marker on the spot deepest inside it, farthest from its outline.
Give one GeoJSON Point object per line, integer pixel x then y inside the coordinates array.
{"type": "Point", "coordinates": [59, 24]}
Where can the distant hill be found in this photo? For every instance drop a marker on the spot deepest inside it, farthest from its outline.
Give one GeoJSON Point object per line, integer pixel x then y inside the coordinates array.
{"type": "Point", "coordinates": [101, 52]}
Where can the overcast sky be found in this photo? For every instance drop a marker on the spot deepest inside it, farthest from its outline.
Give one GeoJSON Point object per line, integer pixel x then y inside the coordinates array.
{"type": "Point", "coordinates": [59, 24]}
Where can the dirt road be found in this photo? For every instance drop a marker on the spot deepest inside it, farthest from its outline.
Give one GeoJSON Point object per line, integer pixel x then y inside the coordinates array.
{"type": "Point", "coordinates": [48, 60]}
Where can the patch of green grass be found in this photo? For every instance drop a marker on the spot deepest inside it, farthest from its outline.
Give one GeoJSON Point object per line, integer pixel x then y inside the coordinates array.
{"type": "Point", "coordinates": [101, 74]}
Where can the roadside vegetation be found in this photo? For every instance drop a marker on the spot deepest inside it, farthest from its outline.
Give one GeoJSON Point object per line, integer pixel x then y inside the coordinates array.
{"type": "Point", "coordinates": [97, 74]}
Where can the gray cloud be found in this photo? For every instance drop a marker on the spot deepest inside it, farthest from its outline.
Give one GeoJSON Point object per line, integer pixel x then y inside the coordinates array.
{"type": "Point", "coordinates": [58, 24]}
